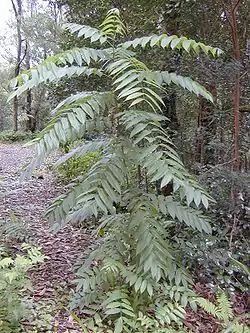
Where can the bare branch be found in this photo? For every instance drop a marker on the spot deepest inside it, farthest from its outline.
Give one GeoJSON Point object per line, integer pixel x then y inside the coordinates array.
{"type": "Point", "coordinates": [236, 5]}
{"type": "Point", "coordinates": [14, 7]}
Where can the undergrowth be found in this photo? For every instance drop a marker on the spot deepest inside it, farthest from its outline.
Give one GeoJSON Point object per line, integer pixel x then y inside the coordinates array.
{"type": "Point", "coordinates": [15, 286]}
{"type": "Point", "coordinates": [16, 136]}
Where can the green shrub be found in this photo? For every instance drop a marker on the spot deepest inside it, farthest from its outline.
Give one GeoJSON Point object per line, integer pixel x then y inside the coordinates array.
{"type": "Point", "coordinates": [10, 136]}
{"type": "Point", "coordinates": [14, 282]}
{"type": "Point", "coordinates": [79, 166]}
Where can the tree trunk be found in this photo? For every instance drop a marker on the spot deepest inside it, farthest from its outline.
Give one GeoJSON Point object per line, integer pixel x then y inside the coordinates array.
{"type": "Point", "coordinates": [18, 14]}
{"type": "Point", "coordinates": [206, 130]}
{"type": "Point", "coordinates": [30, 122]}
{"type": "Point", "coordinates": [15, 113]}
{"type": "Point", "coordinates": [232, 19]}
{"type": "Point", "coordinates": [236, 101]}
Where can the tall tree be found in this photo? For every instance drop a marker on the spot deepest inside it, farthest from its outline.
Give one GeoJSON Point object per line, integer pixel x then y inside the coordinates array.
{"type": "Point", "coordinates": [231, 14]}
{"type": "Point", "coordinates": [17, 7]}
{"type": "Point", "coordinates": [30, 122]}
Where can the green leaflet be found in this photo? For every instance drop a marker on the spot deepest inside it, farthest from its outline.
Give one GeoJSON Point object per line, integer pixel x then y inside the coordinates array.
{"type": "Point", "coordinates": [86, 32]}
{"type": "Point", "coordinates": [112, 25]}
{"type": "Point", "coordinates": [174, 42]}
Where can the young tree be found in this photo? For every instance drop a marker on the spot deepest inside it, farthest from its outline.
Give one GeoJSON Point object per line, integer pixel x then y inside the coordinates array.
{"type": "Point", "coordinates": [141, 251]}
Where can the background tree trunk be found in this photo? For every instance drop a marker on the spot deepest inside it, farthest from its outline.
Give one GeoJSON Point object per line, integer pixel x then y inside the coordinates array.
{"type": "Point", "coordinates": [206, 125]}
{"type": "Point", "coordinates": [30, 122]}
{"type": "Point", "coordinates": [232, 19]}
{"type": "Point", "coordinates": [17, 7]}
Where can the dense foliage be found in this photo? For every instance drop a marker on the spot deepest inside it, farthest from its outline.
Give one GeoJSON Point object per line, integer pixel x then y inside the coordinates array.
{"type": "Point", "coordinates": [14, 280]}
{"type": "Point", "coordinates": [10, 136]}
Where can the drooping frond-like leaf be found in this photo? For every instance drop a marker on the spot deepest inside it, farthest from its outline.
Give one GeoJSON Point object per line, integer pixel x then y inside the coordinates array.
{"type": "Point", "coordinates": [159, 157]}
{"type": "Point", "coordinates": [62, 205]}
{"type": "Point", "coordinates": [181, 81]}
{"type": "Point", "coordinates": [69, 122]}
{"type": "Point", "coordinates": [94, 194]}
{"type": "Point", "coordinates": [50, 73]}
{"type": "Point", "coordinates": [179, 293]}
{"type": "Point", "coordinates": [48, 70]}
{"type": "Point", "coordinates": [86, 32]}
{"type": "Point", "coordinates": [173, 42]}
{"type": "Point", "coordinates": [170, 312]}
{"type": "Point", "coordinates": [191, 217]}
{"type": "Point", "coordinates": [81, 150]}
{"type": "Point", "coordinates": [112, 24]}
{"type": "Point", "coordinates": [136, 83]}
{"type": "Point", "coordinates": [101, 189]}
{"type": "Point", "coordinates": [133, 86]}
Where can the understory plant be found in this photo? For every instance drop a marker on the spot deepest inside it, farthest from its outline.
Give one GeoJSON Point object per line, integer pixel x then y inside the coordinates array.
{"type": "Point", "coordinates": [139, 191]}
{"type": "Point", "coordinates": [77, 166]}
{"type": "Point", "coordinates": [13, 228]}
{"type": "Point", "coordinates": [15, 286]}
{"type": "Point", "coordinates": [224, 313]}
{"type": "Point", "coordinates": [18, 136]}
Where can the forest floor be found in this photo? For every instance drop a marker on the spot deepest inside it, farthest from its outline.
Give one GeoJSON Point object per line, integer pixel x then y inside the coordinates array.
{"type": "Point", "coordinates": [27, 201]}
{"type": "Point", "coordinates": [52, 280]}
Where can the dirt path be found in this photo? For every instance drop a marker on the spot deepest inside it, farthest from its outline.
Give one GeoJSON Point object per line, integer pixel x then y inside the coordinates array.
{"type": "Point", "coordinates": [28, 201]}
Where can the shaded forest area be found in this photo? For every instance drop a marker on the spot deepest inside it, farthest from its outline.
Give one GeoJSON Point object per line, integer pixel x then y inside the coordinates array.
{"type": "Point", "coordinates": [125, 166]}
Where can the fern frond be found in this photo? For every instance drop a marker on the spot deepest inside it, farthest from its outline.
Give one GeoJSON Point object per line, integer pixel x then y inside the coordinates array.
{"type": "Point", "coordinates": [173, 42]}
{"type": "Point", "coordinates": [13, 229]}
{"type": "Point", "coordinates": [237, 328]}
{"type": "Point", "coordinates": [208, 306]}
{"type": "Point", "coordinates": [225, 311]}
